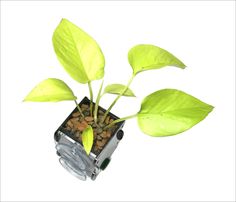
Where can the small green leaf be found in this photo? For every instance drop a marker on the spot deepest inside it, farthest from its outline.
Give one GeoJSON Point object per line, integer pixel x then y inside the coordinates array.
{"type": "Point", "coordinates": [50, 90]}
{"type": "Point", "coordinates": [146, 57]}
{"type": "Point", "coordinates": [78, 53]}
{"type": "Point", "coordinates": [118, 89]}
{"type": "Point", "coordinates": [169, 112]}
{"type": "Point", "coordinates": [87, 139]}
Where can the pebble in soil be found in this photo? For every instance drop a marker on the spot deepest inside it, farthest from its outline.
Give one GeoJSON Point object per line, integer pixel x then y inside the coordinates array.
{"type": "Point", "coordinates": [76, 124]}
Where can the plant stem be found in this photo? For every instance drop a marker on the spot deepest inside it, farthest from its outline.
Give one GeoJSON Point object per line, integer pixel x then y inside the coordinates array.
{"type": "Point", "coordinates": [97, 103]}
{"type": "Point", "coordinates": [119, 120]}
{"type": "Point", "coordinates": [91, 97]}
{"type": "Point", "coordinates": [77, 105]}
{"type": "Point", "coordinates": [117, 98]}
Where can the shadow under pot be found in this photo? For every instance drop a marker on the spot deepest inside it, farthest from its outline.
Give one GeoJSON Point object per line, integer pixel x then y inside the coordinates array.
{"type": "Point", "coordinates": [69, 145]}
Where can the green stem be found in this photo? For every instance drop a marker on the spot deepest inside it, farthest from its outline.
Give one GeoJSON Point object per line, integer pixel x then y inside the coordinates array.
{"type": "Point", "coordinates": [91, 97]}
{"type": "Point", "coordinates": [95, 113]}
{"type": "Point", "coordinates": [117, 98]}
{"type": "Point", "coordinates": [77, 105]}
{"type": "Point", "coordinates": [119, 120]}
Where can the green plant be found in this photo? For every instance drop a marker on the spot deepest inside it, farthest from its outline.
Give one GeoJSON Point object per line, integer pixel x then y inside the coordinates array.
{"type": "Point", "coordinates": [163, 113]}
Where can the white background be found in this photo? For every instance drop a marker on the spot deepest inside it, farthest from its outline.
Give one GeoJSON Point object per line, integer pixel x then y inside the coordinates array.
{"type": "Point", "coordinates": [198, 164]}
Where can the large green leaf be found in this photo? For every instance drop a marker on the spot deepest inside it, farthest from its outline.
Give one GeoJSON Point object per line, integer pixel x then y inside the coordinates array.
{"type": "Point", "coordinates": [78, 53]}
{"type": "Point", "coordinates": [169, 112]}
{"type": "Point", "coordinates": [87, 139]}
{"type": "Point", "coordinates": [50, 90]}
{"type": "Point", "coordinates": [118, 89]}
{"type": "Point", "coordinates": [146, 57]}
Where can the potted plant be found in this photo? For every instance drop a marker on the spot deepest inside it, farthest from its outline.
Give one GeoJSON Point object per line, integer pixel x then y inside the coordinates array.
{"type": "Point", "coordinates": [90, 134]}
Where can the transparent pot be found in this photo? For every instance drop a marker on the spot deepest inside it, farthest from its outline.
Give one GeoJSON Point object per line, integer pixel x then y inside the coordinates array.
{"type": "Point", "coordinates": [73, 156]}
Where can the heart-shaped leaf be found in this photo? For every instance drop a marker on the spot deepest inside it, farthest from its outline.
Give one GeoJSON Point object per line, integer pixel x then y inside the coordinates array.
{"type": "Point", "coordinates": [146, 57]}
{"type": "Point", "coordinates": [78, 53]}
{"type": "Point", "coordinates": [118, 89]}
{"type": "Point", "coordinates": [50, 90]}
{"type": "Point", "coordinates": [87, 139]}
{"type": "Point", "coordinates": [169, 112]}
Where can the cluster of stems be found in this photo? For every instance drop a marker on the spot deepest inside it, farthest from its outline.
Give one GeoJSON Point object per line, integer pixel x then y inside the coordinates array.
{"type": "Point", "coordinates": [99, 96]}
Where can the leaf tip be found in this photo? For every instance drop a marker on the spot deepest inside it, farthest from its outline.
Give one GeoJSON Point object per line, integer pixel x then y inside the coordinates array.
{"type": "Point", "coordinates": [211, 108]}
{"type": "Point", "coordinates": [25, 99]}
{"type": "Point", "coordinates": [63, 19]}
{"type": "Point", "coordinates": [181, 65]}
{"type": "Point", "coordinates": [87, 152]}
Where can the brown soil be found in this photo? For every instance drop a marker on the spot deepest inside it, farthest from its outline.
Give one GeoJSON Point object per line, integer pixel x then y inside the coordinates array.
{"type": "Point", "coordinates": [76, 124]}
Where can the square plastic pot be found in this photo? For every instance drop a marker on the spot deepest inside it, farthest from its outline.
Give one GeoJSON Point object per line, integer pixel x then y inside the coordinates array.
{"type": "Point", "coordinates": [73, 156]}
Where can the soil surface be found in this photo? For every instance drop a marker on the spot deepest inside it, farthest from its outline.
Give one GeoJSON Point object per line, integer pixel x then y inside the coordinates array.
{"type": "Point", "coordinates": [77, 123]}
